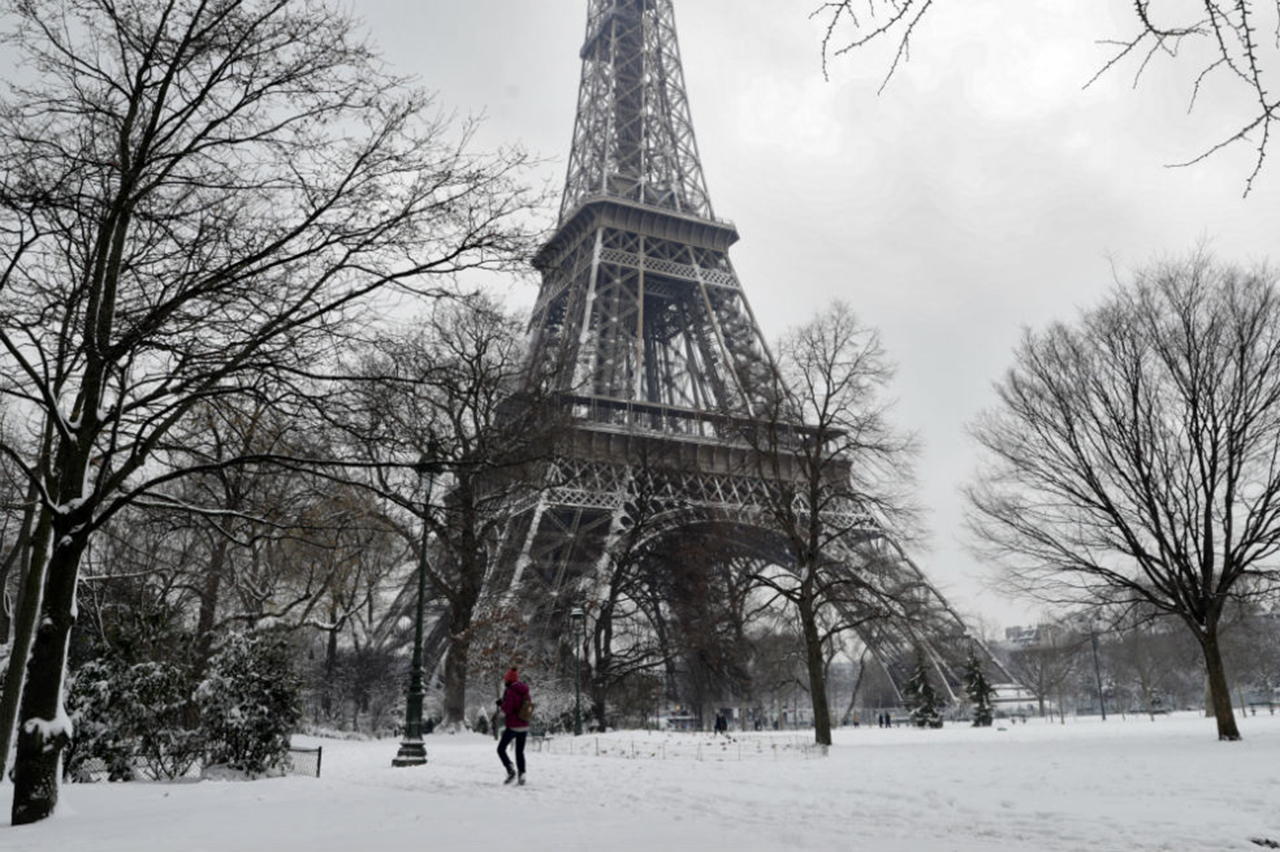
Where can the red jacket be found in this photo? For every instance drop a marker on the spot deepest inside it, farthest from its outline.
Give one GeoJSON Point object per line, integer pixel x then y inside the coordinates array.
{"type": "Point", "coordinates": [511, 700]}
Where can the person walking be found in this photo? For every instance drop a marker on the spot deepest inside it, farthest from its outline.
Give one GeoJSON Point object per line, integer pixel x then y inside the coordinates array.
{"type": "Point", "coordinates": [517, 709]}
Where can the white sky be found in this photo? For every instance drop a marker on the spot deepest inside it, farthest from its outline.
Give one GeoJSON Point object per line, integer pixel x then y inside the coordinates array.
{"type": "Point", "coordinates": [984, 191]}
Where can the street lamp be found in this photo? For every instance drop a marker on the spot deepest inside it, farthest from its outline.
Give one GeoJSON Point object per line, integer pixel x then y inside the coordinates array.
{"type": "Point", "coordinates": [412, 751]}
{"type": "Point", "coordinates": [576, 617]}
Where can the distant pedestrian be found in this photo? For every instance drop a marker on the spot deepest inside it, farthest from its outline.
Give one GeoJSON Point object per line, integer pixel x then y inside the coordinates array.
{"type": "Point", "coordinates": [722, 724]}
{"type": "Point", "coordinates": [517, 709]}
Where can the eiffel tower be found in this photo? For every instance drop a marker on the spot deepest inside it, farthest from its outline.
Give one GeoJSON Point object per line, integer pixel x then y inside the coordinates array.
{"type": "Point", "coordinates": [657, 347]}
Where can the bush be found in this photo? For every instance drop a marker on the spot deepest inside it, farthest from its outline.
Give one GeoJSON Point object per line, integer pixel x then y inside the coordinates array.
{"type": "Point", "coordinates": [978, 690]}
{"type": "Point", "coordinates": [98, 732]}
{"type": "Point", "coordinates": [159, 698]}
{"type": "Point", "coordinates": [920, 696]}
{"type": "Point", "coordinates": [120, 712]}
{"type": "Point", "coordinates": [249, 704]}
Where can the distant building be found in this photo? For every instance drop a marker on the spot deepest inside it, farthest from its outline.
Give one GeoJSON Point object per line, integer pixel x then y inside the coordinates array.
{"type": "Point", "coordinates": [1023, 637]}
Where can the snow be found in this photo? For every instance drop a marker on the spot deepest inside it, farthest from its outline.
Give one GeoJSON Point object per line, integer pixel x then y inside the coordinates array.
{"type": "Point", "coordinates": [1123, 785]}
{"type": "Point", "coordinates": [50, 728]}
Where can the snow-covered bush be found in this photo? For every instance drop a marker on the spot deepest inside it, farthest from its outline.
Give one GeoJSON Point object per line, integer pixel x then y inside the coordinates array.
{"type": "Point", "coordinates": [920, 696]}
{"type": "Point", "coordinates": [121, 713]}
{"type": "Point", "coordinates": [978, 690]}
{"type": "Point", "coordinates": [161, 720]}
{"type": "Point", "coordinates": [97, 732]}
{"type": "Point", "coordinates": [249, 704]}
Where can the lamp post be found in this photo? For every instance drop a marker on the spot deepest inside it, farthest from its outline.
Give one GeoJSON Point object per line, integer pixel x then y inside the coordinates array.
{"type": "Point", "coordinates": [576, 617]}
{"type": "Point", "coordinates": [412, 751]}
{"type": "Point", "coordinates": [1097, 672]}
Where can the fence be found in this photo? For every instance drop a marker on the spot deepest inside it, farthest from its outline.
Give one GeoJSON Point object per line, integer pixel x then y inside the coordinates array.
{"type": "Point", "coordinates": [178, 765]}
{"type": "Point", "coordinates": [304, 761]}
{"type": "Point", "coordinates": [138, 768]}
{"type": "Point", "coordinates": [692, 747]}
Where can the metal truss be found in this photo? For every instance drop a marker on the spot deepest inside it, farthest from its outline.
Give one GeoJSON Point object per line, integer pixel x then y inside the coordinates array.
{"type": "Point", "coordinates": [644, 325]}
{"type": "Point", "coordinates": [633, 316]}
{"type": "Point", "coordinates": [567, 533]}
{"type": "Point", "coordinates": [639, 299]}
{"type": "Point", "coordinates": [633, 138]}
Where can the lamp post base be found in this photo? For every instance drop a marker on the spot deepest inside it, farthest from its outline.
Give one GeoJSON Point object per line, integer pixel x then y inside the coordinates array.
{"type": "Point", "coordinates": [412, 753]}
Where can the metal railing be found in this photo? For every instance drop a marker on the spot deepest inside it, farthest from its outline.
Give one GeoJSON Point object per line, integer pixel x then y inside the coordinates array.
{"type": "Point", "coordinates": [696, 747]}
{"type": "Point", "coordinates": [304, 761]}
{"type": "Point", "coordinates": [177, 765]}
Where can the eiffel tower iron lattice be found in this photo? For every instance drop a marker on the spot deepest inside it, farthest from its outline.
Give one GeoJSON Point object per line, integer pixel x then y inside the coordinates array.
{"type": "Point", "coordinates": [656, 352]}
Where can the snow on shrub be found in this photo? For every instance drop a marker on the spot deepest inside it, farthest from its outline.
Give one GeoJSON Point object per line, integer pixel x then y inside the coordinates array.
{"type": "Point", "coordinates": [160, 710]}
{"type": "Point", "coordinates": [249, 704]}
{"type": "Point", "coordinates": [920, 696]}
{"type": "Point", "coordinates": [123, 712]}
{"type": "Point", "coordinates": [978, 690]}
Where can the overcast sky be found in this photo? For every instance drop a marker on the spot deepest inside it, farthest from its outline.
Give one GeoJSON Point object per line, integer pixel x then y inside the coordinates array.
{"type": "Point", "coordinates": [984, 191]}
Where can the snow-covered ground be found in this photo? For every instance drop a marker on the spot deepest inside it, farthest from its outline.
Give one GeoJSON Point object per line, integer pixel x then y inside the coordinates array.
{"type": "Point", "coordinates": [1124, 785]}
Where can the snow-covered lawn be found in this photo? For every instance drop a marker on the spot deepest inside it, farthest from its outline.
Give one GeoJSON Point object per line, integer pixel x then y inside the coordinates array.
{"type": "Point", "coordinates": [1124, 785]}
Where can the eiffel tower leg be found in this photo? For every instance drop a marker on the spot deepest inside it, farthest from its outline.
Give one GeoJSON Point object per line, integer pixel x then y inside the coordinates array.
{"type": "Point", "coordinates": [586, 357]}
{"type": "Point", "coordinates": [602, 567]}
{"type": "Point", "coordinates": [523, 559]}
{"type": "Point", "coordinates": [714, 322]}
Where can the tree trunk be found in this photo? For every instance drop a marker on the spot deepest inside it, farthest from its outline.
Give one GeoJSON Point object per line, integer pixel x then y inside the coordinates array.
{"type": "Point", "coordinates": [1219, 694]}
{"type": "Point", "coordinates": [29, 597]}
{"type": "Point", "coordinates": [209, 601]}
{"type": "Point", "coordinates": [35, 786]}
{"type": "Point", "coordinates": [598, 690]}
{"type": "Point", "coordinates": [817, 681]}
{"type": "Point", "coordinates": [1144, 678]}
{"type": "Point", "coordinates": [456, 663]}
{"type": "Point", "coordinates": [857, 683]}
{"type": "Point", "coordinates": [19, 557]}
{"type": "Point", "coordinates": [330, 669]}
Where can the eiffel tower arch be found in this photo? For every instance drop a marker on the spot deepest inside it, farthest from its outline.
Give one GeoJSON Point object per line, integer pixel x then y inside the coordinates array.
{"type": "Point", "coordinates": [656, 354]}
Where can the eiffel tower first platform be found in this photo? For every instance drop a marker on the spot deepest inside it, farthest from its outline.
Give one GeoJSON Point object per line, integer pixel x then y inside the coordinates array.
{"type": "Point", "coordinates": [658, 352]}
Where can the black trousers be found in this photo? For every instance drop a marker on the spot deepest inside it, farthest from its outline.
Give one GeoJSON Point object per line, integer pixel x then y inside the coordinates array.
{"type": "Point", "coordinates": [507, 736]}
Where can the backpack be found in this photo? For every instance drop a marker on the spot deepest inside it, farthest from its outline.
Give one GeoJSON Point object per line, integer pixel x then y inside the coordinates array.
{"type": "Point", "coordinates": [525, 713]}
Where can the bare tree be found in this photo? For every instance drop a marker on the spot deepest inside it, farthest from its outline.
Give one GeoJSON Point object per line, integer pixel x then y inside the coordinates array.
{"type": "Point", "coordinates": [278, 546]}
{"type": "Point", "coordinates": [1134, 658]}
{"type": "Point", "coordinates": [455, 390]}
{"type": "Point", "coordinates": [1048, 665]}
{"type": "Point", "coordinates": [196, 198]}
{"type": "Point", "coordinates": [706, 601]}
{"type": "Point", "coordinates": [1251, 649]}
{"type": "Point", "coordinates": [1133, 455]}
{"type": "Point", "coordinates": [17, 514]}
{"type": "Point", "coordinates": [626, 643]}
{"type": "Point", "coordinates": [838, 475]}
{"type": "Point", "coordinates": [1230, 30]}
